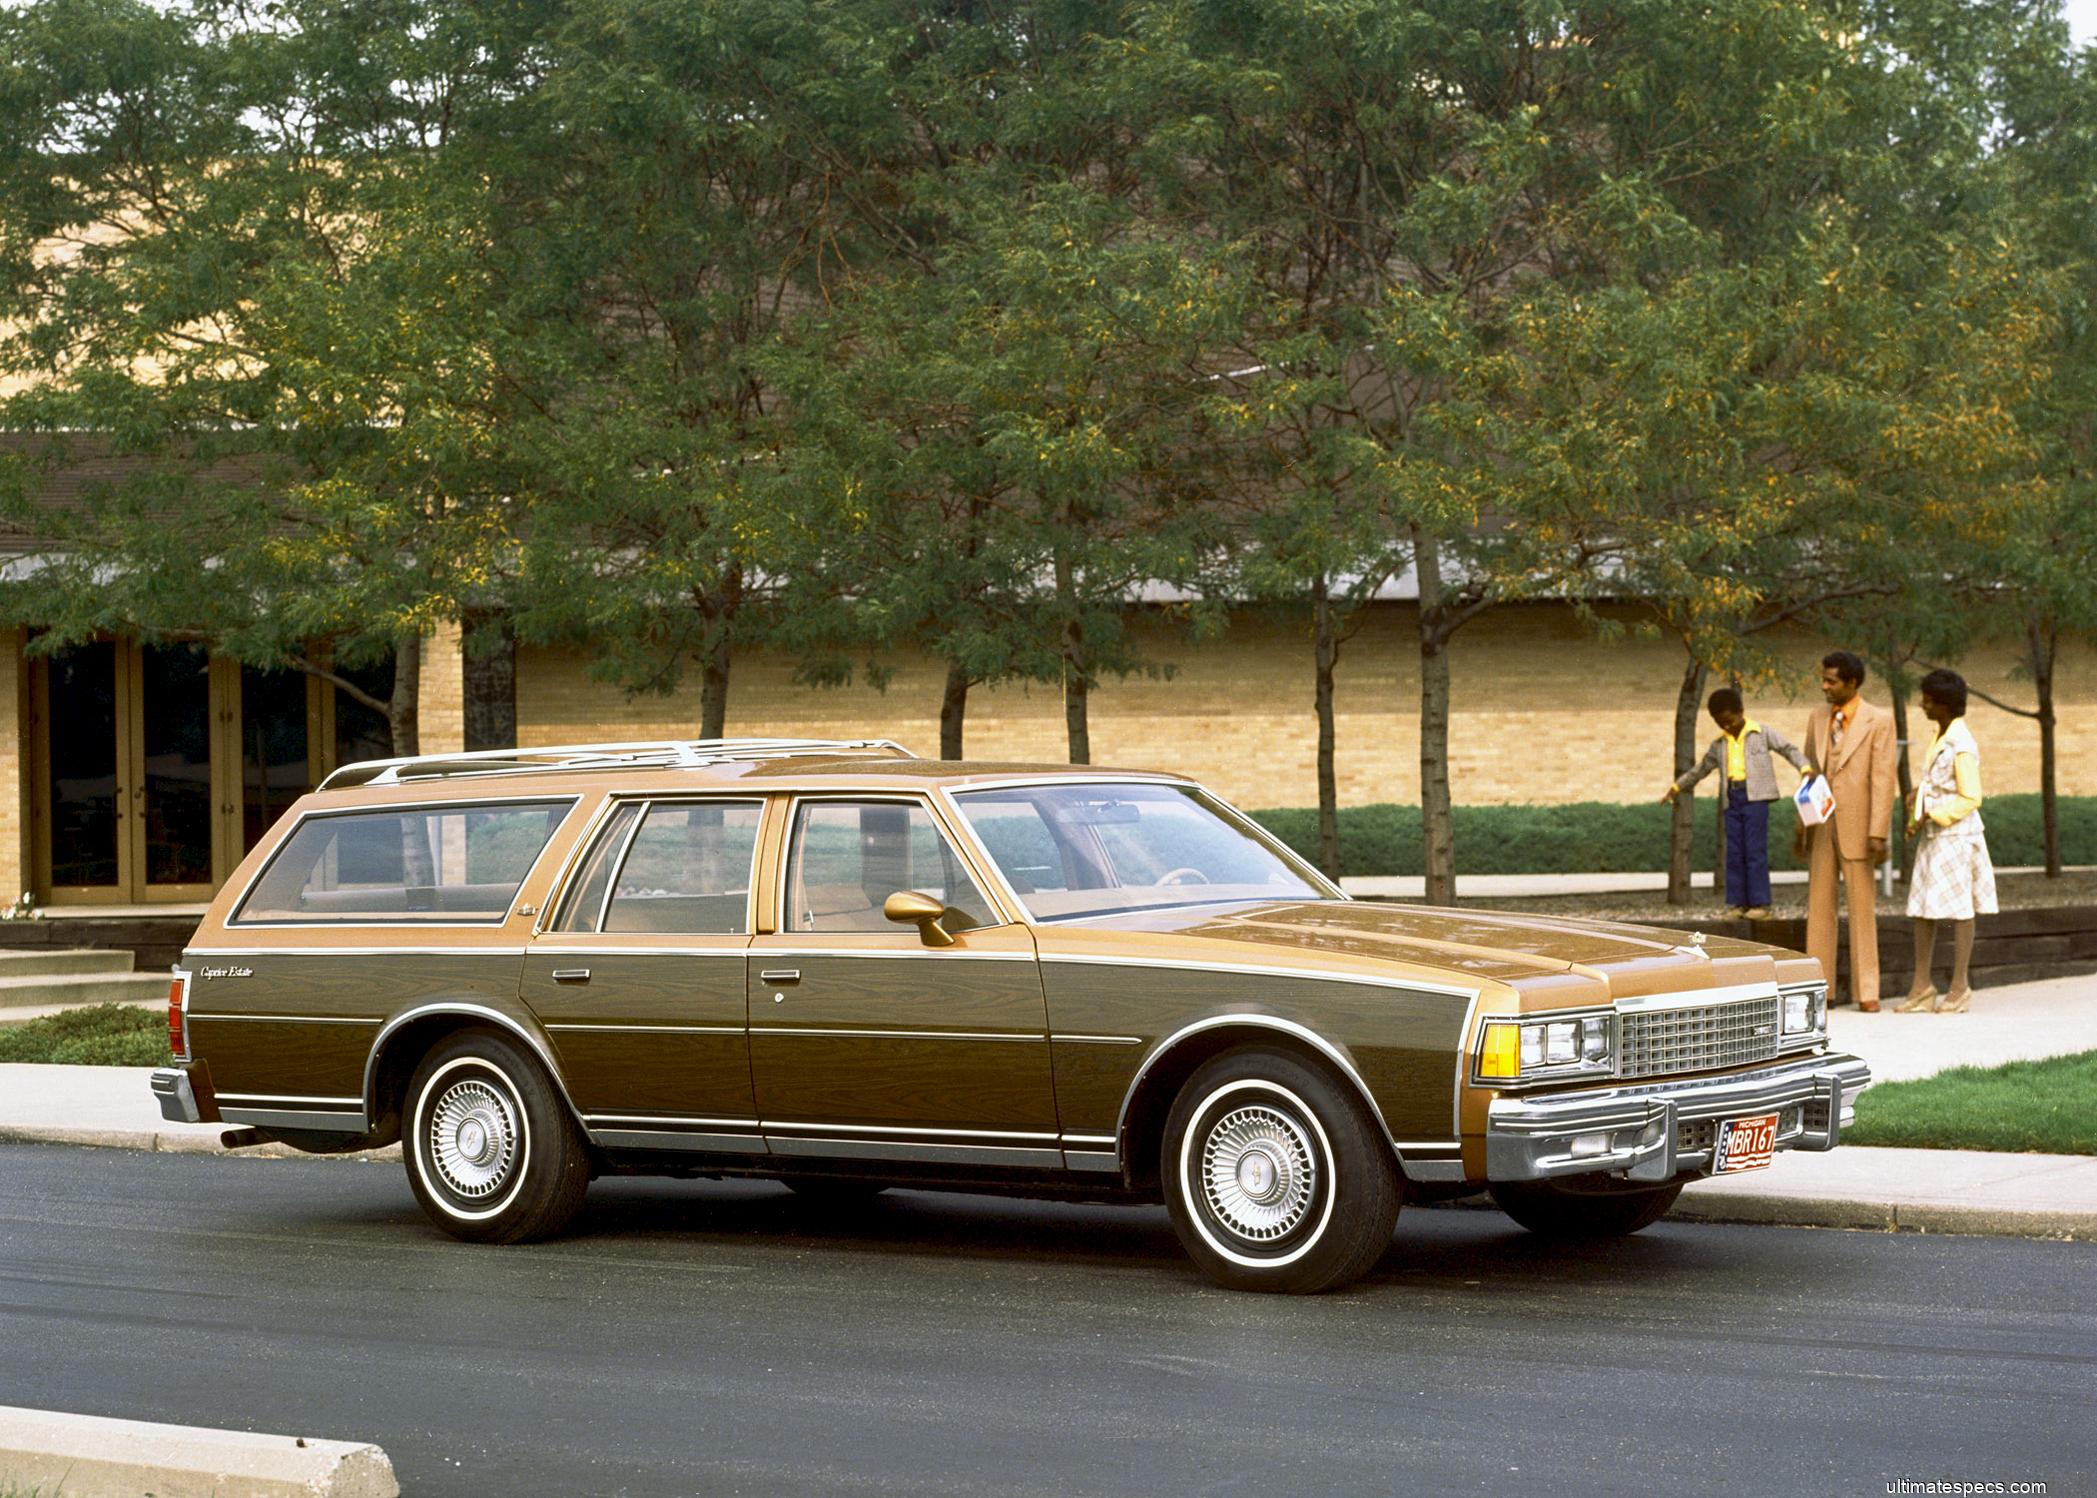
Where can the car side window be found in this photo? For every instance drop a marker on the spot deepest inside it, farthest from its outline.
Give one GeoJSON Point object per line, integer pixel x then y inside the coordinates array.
{"type": "Point", "coordinates": [848, 857]}
{"type": "Point", "coordinates": [672, 868]}
{"type": "Point", "coordinates": [584, 906]}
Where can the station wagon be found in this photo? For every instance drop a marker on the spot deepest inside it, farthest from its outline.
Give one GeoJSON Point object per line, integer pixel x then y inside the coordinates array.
{"type": "Point", "coordinates": [847, 969]}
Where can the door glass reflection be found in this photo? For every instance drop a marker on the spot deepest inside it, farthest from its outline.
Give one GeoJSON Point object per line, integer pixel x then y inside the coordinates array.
{"type": "Point", "coordinates": [176, 732]}
{"type": "Point", "coordinates": [83, 766]}
{"type": "Point", "coordinates": [273, 770]}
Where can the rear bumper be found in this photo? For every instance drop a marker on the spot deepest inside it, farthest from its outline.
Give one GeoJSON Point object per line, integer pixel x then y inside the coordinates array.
{"type": "Point", "coordinates": [178, 1101]}
{"type": "Point", "coordinates": [1656, 1131]}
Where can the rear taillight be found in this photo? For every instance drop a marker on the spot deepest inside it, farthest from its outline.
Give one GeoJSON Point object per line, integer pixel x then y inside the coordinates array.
{"type": "Point", "coordinates": [177, 1019]}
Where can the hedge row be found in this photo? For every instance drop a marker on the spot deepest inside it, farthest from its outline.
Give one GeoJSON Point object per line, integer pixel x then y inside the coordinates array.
{"type": "Point", "coordinates": [1604, 837]}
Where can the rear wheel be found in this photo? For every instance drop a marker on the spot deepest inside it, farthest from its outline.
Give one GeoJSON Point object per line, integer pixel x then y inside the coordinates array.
{"type": "Point", "coordinates": [491, 1150]}
{"type": "Point", "coordinates": [1584, 1206]}
{"type": "Point", "coordinates": [1276, 1177]}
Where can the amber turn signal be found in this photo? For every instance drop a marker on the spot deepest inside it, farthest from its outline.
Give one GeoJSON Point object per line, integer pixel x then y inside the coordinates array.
{"type": "Point", "coordinates": [1501, 1054]}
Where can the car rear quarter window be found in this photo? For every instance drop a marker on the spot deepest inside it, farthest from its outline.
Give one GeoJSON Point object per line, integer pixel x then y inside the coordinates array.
{"type": "Point", "coordinates": [437, 865]}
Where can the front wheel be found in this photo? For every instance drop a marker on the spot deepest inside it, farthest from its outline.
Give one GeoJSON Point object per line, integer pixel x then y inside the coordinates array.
{"type": "Point", "coordinates": [1578, 1207]}
{"type": "Point", "coordinates": [1275, 1177]}
{"type": "Point", "coordinates": [492, 1152]}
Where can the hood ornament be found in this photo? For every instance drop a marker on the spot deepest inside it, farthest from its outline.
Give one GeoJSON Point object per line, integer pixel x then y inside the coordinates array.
{"type": "Point", "coordinates": [1696, 939]}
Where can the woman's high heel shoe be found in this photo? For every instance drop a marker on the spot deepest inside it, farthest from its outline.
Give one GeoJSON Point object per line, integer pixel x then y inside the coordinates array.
{"type": "Point", "coordinates": [1918, 1003]}
{"type": "Point", "coordinates": [1956, 1003]}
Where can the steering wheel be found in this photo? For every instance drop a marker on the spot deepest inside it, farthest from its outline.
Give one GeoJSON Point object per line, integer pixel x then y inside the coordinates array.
{"type": "Point", "coordinates": [1183, 875]}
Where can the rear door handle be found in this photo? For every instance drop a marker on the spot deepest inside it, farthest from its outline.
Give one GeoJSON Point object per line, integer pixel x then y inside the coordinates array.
{"type": "Point", "coordinates": [780, 975]}
{"type": "Point", "coordinates": [571, 975]}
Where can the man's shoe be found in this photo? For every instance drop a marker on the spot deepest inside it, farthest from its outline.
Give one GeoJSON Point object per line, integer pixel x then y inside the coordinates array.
{"type": "Point", "coordinates": [1757, 913]}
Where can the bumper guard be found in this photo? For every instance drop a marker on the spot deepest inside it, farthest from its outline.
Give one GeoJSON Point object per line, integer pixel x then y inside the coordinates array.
{"type": "Point", "coordinates": [178, 1100]}
{"type": "Point", "coordinates": [1642, 1131]}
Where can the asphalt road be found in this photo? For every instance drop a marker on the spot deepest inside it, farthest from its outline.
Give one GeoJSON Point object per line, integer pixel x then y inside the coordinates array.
{"type": "Point", "coordinates": [729, 1338]}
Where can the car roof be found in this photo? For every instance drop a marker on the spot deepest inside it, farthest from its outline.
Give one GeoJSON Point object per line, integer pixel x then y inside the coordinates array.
{"type": "Point", "coordinates": [660, 769]}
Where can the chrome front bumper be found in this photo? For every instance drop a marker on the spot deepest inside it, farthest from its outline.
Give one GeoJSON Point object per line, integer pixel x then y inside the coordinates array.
{"type": "Point", "coordinates": [178, 1100]}
{"type": "Point", "coordinates": [1655, 1131]}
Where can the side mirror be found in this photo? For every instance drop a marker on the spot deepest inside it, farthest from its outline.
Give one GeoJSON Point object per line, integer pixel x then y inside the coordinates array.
{"type": "Point", "coordinates": [909, 905]}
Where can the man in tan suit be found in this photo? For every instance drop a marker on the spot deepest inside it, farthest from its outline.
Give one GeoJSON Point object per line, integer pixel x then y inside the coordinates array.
{"type": "Point", "coordinates": [1854, 745]}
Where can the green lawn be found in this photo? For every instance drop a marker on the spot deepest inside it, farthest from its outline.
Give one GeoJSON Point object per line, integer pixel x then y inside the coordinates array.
{"type": "Point", "coordinates": [107, 1035]}
{"type": "Point", "coordinates": [2045, 1106]}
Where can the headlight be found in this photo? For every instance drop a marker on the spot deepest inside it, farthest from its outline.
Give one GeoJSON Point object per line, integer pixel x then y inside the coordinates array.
{"type": "Point", "coordinates": [1547, 1047]}
{"type": "Point", "coordinates": [1805, 1010]}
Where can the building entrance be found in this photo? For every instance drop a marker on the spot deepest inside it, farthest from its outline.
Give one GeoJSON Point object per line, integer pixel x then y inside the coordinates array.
{"type": "Point", "coordinates": [158, 767]}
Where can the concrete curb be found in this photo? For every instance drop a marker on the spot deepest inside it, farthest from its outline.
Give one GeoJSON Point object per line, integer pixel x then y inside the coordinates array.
{"type": "Point", "coordinates": [87, 1456]}
{"type": "Point", "coordinates": [1885, 1217]}
{"type": "Point", "coordinates": [170, 1142]}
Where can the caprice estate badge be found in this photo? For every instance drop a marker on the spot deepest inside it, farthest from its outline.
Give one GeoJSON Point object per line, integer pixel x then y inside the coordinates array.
{"type": "Point", "coordinates": [229, 972]}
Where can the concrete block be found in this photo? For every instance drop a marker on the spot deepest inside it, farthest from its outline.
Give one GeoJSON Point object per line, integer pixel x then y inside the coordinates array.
{"type": "Point", "coordinates": [88, 1456]}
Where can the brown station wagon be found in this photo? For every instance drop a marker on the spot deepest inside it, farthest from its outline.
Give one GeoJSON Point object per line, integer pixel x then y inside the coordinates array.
{"type": "Point", "coordinates": [845, 968]}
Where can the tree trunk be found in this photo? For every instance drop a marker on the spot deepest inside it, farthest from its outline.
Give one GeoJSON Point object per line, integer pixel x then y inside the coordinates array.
{"type": "Point", "coordinates": [1077, 686]}
{"type": "Point", "coordinates": [2043, 642]}
{"type": "Point", "coordinates": [953, 711]}
{"type": "Point", "coordinates": [1325, 653]}
{"type": "Point", "coordinates": [403, 718]}
{"type": "Point", "coordinates": [490, 650]}
{"type": "Point", "coordinates": [1681, 837]}
{"type": "Point", "coordinates": [1437, 822]}
{"type": "Point", "coordinates": [713, 686]}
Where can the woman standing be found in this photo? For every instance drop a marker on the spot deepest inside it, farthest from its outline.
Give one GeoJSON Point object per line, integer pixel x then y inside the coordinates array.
{"type": "Point", "coordinates": [1953, 879]}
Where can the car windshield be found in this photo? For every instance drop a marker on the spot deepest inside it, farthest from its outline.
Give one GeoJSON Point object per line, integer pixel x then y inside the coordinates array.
{"type": "Point", "coordinates": [1073, 850]}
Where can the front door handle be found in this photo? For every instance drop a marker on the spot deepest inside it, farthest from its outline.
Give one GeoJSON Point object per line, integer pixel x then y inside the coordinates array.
{"type": "Point", "coordinates": [781, 975]}
{"type": "Point", "coordinates": [571, 975]}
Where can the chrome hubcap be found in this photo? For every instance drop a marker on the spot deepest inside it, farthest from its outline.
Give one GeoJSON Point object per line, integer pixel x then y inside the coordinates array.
{"type": "Point", "coordinates": [473, 1138]}
{"type": "Point", "coordinates": [1258, 1173]}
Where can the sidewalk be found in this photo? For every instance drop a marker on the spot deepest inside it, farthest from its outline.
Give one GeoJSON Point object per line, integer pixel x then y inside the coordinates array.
{"type": "Point", "coordinates": [1540, 886]}
{"type": "Point", "coordinates": [1946, 1191]}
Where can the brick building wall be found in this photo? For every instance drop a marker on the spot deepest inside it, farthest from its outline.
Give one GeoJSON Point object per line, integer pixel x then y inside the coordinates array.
{"type": "Point", "coordinates": [1543, 711]}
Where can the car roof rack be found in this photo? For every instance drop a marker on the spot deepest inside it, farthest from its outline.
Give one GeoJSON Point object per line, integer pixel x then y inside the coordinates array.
{"type": "Point", "coordinates": [645, 754]}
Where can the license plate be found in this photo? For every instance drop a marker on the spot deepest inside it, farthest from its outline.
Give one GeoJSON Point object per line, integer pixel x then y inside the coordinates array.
{"type": "Point", "coordinates": [1745, 1143]}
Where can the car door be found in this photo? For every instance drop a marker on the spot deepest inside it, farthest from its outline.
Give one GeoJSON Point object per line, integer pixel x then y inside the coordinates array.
{"type": "Point", "coordinates": [640, 975]}
{"type": "Point", "coordinates": [867, 1043]}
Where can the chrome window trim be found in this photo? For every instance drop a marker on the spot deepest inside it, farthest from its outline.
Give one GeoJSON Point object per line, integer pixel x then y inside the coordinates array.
{"type": "Point", "coordinates": [554, 948]}
{"type": "Point", "coordinates": [1262, 970]}
{"type": "Point", "coordinates": [476, 1011]}
{"type": "Point", "coordinates": [492, 949]}
{"type": "Point", "coordinates": [964, 848]}
{"type": "Point", "coordinates": [554, 890]}
{"type": "Point", "coordinates": [234, 922]}
{"type": "Point", "coordinates": [611, 878]}
{"type": "Point", "coordinates": [918, 950]}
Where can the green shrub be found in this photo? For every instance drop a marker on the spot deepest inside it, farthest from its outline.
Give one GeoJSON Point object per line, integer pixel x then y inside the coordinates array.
{"type": "Point", "coordinates": [106, 1035]}
{"type": "Point", "coordinates": [1606, 837]}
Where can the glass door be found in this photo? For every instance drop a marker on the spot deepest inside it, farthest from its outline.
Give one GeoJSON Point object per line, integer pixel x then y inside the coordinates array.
{"type": "Point", "coordinates": [126, 801]}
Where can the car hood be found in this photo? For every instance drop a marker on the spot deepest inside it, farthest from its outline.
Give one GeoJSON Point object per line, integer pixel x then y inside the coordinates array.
{"type": "Point", "coordinates": [1551, 961]}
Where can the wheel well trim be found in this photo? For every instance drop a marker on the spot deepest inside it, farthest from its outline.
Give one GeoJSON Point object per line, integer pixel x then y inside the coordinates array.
{"type": "Point", "coordinates": [1304, 1033]}
{"type": "Point", "coordinates": [477, 1012]}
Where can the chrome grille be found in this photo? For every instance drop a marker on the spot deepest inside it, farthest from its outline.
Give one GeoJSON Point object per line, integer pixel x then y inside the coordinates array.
{"type": "Point", "coordinates": [1699, 1037]}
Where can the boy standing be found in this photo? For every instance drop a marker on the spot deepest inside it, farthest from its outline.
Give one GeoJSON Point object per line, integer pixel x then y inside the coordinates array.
{"type": "Point", "coordinates": [1743, 748]}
